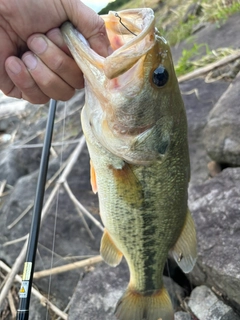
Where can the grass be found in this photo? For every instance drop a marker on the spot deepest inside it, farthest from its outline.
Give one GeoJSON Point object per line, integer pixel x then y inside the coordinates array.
{"type": "Point", "coordinates": [221, 10]}
{"type": "Point", "coordinates": [185, 63]}
{"type": "Point", "coordinates": [170, 13]}
{"type": "Point", "coordinates": [188, 61]}
{"type": "Point", "coordinates": [216, 11]}
{"type": "Point", "coordinates": [114, 5]}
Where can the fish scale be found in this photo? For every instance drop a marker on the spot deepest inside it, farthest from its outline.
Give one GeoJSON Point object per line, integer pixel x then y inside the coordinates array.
{"type": "Point", "coordinates": [135, 126]}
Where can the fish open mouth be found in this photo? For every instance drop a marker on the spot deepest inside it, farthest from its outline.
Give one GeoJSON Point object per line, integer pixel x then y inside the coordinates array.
{"type": "Point", "coordinates": [131, 34]}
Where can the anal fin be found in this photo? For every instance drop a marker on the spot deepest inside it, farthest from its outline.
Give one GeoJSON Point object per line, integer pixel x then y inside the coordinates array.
{"type": "Point", "coordinates": [185, 249]}
{"type": "Point", "coordinates": [93, 178]}
{"type": "Point", "coordinates": [108, 250]}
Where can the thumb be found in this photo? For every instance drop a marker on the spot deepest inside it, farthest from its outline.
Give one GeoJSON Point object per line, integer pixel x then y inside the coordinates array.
{"type": "Point", "coordinates": [89, 23]}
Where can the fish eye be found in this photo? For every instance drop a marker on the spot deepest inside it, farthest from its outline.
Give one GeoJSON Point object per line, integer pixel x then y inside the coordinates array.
{"type": "Point", "coordinates": [160, 76]}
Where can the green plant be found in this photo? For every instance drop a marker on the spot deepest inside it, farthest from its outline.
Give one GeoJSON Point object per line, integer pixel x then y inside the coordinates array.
{"type": "Point", "coordinates": [186, 63]}
{"type": "Point", "coordinates": [114, 6]}
{"type": "Point", "coordinates": [220, 10]}
{"type": "Point", "coordinates": [181, 31]}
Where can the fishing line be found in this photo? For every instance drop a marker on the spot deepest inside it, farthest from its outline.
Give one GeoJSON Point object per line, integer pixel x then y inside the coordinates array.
{"type": "Point", "coordinates": [56, 210]}
{"type": "Point", "coordinates": [120, 20]}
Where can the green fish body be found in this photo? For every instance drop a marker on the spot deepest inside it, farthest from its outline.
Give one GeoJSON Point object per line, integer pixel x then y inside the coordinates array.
{"type": "Point", "coordinates": [135, 126]}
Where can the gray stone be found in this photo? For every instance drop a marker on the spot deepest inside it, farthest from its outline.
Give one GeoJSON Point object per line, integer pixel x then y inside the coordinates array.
{"type": "Point", "coordinates": [16, 160]}
{"type": "Point", "coordinates": [222, 134]}
{"type": "Point", "coordinates": [37, 311]}
{"type": "Point", "coordinates": [71, 240]}
{"type": "Point", "coordinates": [206, 306]}
{"type": "Point", "coordinates": [194, 9]}
{"type": "Point", "coordinates": [11, 107]}
{"type": "Point", "coordinates": [180, 315]}
{"type": "Point", "coordinates": [199, 99]}
{"type": "Point", "coordinates": [215, 206]}
{"type": "Point", "coordinates": [97, 294]}
{"type": "Point", "coordinates": [225, 35]}
{"type": "Point", "coordinates": [75, 240]}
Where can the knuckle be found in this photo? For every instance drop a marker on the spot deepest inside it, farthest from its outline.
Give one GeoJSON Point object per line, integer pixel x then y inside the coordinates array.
{"type": "Point", "coordinates": [67, 95]}
{"type": "Point", "coordinates": [36, 99]}
{"type": "Point", "coordinates": [59, 65]}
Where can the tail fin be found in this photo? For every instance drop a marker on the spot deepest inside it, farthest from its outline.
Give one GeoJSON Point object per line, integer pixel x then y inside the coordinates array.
{"type": "Point", "coordinates": [135, 306]}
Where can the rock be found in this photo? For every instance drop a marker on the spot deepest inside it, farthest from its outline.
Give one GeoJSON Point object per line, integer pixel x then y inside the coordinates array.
{"type": "Point", "coordinates": [206, 306]}
{"type": "Point", "coordinates": [215, 206]}
{"type": "Point", "coordinates": [10, 107]}
{"type": "Point", "coordinates": [214, 168]}
{"type": "Point", "coordinates": [11, 166]}
{"type": "Point", "coordinates": [22, 156]}
{"type": "Point", "coordinates": [180, 315]}
{"type": "Point", "coordinates": [194, 9]}
{"type": "Point", "coordinates": [62, 226]}
{"type": "Point", "coordinates": [226, 35]}
{"type": "Point", "coordinates": [222, 135]}
{"type": "Point", "coordinates": [37, 311]}
{"type": "Point", "coordinates": [199, 99]}
{"type": "Point", "coordinates": [97, 294]}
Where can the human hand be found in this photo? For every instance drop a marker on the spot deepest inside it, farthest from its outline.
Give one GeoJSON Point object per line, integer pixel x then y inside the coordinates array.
{"type": "Point", "coordinates": [37, 67]}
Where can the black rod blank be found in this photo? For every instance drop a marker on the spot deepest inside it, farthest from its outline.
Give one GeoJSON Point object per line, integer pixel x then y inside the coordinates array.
{"type": "Point", "coordinates": [25, 290]}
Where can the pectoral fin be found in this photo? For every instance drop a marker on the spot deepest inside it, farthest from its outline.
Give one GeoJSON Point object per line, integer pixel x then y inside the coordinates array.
{"type": "Point", "coordinates": [109, 252]}
{"type": "Point", "coordinates": [93, 178]}
{"type": "Point", "coordinates": [185, 249]}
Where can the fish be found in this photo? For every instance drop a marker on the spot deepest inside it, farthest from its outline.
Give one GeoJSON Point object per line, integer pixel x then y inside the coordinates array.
{"type": "Point", "coordinates": [135, 125]}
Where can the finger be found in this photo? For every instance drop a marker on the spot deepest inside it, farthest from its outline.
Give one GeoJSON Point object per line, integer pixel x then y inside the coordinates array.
{"type": "Point", "coordinates": [7, 49]}
{"type": "Point", "coordinates": [56, 60]}
{"type": "Point", "coordinates": [23, 84]}
{"type": "Point", "coordinates": [90, 24]}
{"type": "Point", "coordinates": [49, 83]}
{"type": "Point", "coordinates": [56, 37]}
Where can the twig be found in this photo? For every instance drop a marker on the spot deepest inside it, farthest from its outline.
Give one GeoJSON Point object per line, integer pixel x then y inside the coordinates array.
{"type": "Point", "coordinates": [9, 243]}
{"type": "Point", "coordinates": [11, 275]}
{"type": "Point", "coordinates": [40, 145]}
{"type": "Point", "coordinates": [53, 152]}
{"type": "Point", "coordinates": [42, 131]}
{"type": "Point", "coordinates": [66, 309]}
{"type": "Point", "coordinates": [49, 182]}
{"type": "Point", "coordinates": [5, 194]}
{"type": "Point", "coordinates": [44, 301]}
{"type": "Point", "coordinates": [20, 217]}
{"type": "Point", "coordinates": [68, 267]}
{"type": "Point", "coordinates": [85, 223]}
{"type": "Point", "coordinates": [209, 67]}
{"type": "Point", "coordinates": [2, 187]}
{"type": "Point", "coordinates": [81, 207]}
{"type": "Point", "coordinates": [12, 305]}
{"type": "Point", "coordinates": [20, 259]}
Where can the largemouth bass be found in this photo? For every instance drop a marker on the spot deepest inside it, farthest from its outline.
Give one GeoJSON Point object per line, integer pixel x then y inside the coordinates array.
{"type": "Point", "coordinates": [136, 131]}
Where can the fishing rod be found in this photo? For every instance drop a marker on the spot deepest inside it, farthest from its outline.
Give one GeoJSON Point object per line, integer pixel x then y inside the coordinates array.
{"type": "Point", "coordinates": [25, 289]}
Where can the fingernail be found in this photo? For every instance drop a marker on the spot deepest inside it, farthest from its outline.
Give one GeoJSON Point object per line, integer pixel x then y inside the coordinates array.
{"type": "Point", "coordinates": [30, 61]}
{"type": "Point", "coordinates": [38, 45]}
{"type": "Point", "coordinates": [14, 67]}
{"type": "Point", "coordinates": [56, 37]}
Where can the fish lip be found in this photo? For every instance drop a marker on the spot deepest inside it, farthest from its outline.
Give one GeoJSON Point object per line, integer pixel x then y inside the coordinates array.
{"type": "Point", "coordinates": [140, 43]}
{"type": "Point", "coordinates": [109, 65]}
{"type": "Point", "coordinates": [147, 20]}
